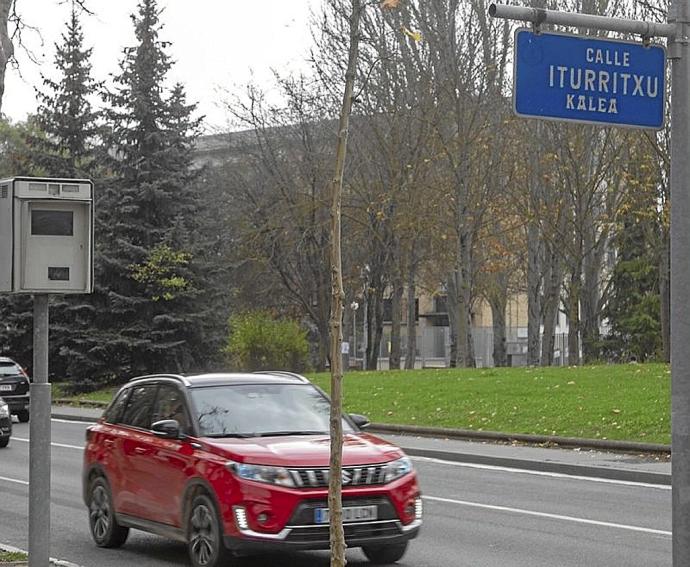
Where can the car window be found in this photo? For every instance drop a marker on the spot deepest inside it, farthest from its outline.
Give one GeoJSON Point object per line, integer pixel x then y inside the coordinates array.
{"type": "Point", "coordinates": [138, 411]}
{"type": "Point", "coordinates": [170, 404]}
{"type": "Point", "coordinates": [113, 413]}
{"type": "Point", "coordinates": [9, 369]}
{"type": "Point", "coordinates": [256, 409]}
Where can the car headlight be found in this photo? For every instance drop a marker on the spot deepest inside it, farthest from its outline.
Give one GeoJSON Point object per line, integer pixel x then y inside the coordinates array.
{"type": "Point", "coordinates": [4, 410]}
{"type": "Point", "coordinates": [260, 473]}
{"type": "Point", "coordinates": [396, 469]}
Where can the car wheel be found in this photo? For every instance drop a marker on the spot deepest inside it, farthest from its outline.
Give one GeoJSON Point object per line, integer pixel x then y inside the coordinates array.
{"type": "Point", "coordinates": [23, 416]}
{"type": "Point", "coordinates": [205, 535]}
{"type": "Point", "coordinates": [105, 530]}
{"type": "Point", "coordinates": [385, 554]}
{"type": "Point", "coordinates": [4, 442]}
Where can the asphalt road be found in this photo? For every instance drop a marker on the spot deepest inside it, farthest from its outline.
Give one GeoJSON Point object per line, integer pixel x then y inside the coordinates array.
{"type": "Point", "coordinates": [475, 516]}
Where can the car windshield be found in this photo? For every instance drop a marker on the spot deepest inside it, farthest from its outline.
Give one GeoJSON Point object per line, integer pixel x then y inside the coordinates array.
{"type": "Point", "coordinates": [9, 369]}
{"type": "Point", "coordinates": [255, 410]}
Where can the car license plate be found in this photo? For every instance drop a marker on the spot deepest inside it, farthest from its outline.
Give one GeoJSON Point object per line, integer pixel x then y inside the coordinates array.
{"type": "Point", "coordinates": [350, 514]}
{"type": "Point", "coordinates": [6, 387]}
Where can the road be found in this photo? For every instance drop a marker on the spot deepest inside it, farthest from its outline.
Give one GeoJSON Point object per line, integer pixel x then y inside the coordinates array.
{"type": "Point", "coordinates": [475, 516]}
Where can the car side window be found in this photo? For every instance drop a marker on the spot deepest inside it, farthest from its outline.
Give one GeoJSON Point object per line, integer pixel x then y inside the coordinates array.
{"type": "Point", "coordinates": [114, 411]}
{"type": "Point", "coordinates": [170, 404]}
{"type": "Point", "coordinates": [139, 405]}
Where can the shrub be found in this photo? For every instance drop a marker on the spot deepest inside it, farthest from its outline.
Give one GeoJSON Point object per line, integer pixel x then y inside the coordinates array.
{"type": "Point", "coordinates": [259, 342]}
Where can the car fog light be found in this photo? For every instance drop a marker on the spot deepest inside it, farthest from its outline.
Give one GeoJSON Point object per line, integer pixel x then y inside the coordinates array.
{"type": "Point", "coordinates": [418, 509]}
{"type": "Point", "coordinates": [241, 517]}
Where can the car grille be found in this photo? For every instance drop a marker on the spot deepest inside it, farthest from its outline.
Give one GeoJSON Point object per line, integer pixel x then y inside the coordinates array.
{"type": "Point", "coordinates": [352, 476]}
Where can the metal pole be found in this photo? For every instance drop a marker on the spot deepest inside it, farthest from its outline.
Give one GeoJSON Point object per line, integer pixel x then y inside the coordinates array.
{"type": "Point", "coordinates": [39, 447]}
{"type": "Point", "coordinates": [539, 16]}
{"type": "Point", "coordinates": [680, 282]}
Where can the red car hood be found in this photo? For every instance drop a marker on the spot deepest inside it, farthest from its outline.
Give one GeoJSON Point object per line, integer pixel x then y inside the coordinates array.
{"type": "Point", "coordinates": [306, 450]}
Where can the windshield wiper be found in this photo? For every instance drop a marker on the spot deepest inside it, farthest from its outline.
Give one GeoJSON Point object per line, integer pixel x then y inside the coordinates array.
{"type": "Point", "coordinates": [286, 433]}
{"type": "Point", "coordinates": [228, 435]}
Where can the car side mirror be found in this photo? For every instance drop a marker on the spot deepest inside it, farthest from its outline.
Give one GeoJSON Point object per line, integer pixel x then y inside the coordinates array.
{"type": "Point", "coordinates": [167, 429]}
{"type": "Point", "coordinates": [361, 421]}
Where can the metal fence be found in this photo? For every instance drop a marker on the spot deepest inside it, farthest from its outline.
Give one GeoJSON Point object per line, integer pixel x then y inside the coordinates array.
{"type": "Point", "coordinates": [433, 348]}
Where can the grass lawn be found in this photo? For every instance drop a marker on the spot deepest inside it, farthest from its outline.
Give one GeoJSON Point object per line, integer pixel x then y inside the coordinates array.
{"type": "Point", "coordinates": [626, 402]}
{"type": "Point", "coordinates": [629, 402]}
{"type": "Point", "coordinates": [9, 556]}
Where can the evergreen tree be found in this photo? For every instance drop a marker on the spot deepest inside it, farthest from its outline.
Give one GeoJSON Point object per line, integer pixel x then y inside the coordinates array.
{"type": "Point", "coordinates": [65, 117]}
{"type": "Point", "coordinates": [152, 273]}
{"type": "Point", "coordinates": [632, 307]}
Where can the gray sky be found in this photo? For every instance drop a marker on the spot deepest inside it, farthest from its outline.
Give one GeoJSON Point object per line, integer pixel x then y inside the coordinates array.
{"type": "Point", "coordinates": [220, 44]}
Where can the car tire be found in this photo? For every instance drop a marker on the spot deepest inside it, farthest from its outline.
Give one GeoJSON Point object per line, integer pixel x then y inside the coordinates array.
{"type": "Point", "coordinates": [385, 554]}
{"type": "Point", "coordinates": [205, 534]}
{"type": "Point", "coordinates": [105, 530]}
{"type": "Point", "coordinates": [23, 416]}
{"type": "Point", "coordinates": [4, 442]}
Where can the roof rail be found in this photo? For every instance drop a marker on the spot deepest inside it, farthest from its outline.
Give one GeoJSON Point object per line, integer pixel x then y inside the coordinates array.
{"type": "Point", "coordinates": [148, 376]}
{"type": "Point", "coordinates": [283, 373]}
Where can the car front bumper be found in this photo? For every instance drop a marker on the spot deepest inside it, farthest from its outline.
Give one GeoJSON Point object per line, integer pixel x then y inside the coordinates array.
{"type": "Point", "coordinates": [317, 536]}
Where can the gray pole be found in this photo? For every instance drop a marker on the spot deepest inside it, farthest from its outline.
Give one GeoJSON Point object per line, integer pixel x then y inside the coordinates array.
{"type": "Point", "coordinates": [39, 447]}
{"type": "Point", "coordinates": [680, 282]}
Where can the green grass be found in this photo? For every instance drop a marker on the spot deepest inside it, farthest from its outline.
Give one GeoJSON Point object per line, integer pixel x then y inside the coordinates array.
{"type": "Point", "coordinates": [8, 556]}
{"type": "Point", "coordinates": [625, 402]}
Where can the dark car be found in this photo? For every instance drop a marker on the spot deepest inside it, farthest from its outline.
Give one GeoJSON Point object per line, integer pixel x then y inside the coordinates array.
{"type": "Point", "coordinates": [5, 424]}
{"type": "Point", "coordinates": [14, 388]}
{"type": "Point", "coordinates": [235, 463]}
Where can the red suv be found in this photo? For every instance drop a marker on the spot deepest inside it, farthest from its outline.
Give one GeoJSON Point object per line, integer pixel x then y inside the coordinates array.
{"type": "Point", "coordinates": [235, 463]}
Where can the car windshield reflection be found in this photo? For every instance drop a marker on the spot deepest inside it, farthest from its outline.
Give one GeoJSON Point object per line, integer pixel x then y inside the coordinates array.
{"type": "Point", "coordinates": [262, 410]}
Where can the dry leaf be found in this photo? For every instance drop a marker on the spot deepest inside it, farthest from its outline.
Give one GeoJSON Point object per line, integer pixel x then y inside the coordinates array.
{"type": "Point", "coordinates": [389, 4]}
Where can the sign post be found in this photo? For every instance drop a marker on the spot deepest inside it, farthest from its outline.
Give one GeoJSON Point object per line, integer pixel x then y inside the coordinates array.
{"type": "Point", "coordinates": [677, 30]}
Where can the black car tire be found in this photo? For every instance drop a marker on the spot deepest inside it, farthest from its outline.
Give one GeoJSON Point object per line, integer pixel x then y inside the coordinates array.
{"type": "Point", "coordinates": [23, 416]}
{"type": "Point", "coordinates": [205, 534]}
{"type": "Point", "coordinates": [105, 530]}
{"type": "Point", "coordinates": [385, 554]}
{"type": "Point", "coordinates": [4, 442]}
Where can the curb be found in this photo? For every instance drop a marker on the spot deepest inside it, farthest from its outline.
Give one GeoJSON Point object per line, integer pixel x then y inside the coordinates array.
{"type": "Point", "coordinates": [544, 466]}
{"type": "Point", "coordinates": [468, 434]}
{"type": "Point", "coordinates": [55, 562]}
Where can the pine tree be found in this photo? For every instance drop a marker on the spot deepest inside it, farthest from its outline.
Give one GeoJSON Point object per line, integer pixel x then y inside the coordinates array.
{"type": "Point", "coordinates": [65, 115]}
{"type": "Point", "coordinates": [151, 271]}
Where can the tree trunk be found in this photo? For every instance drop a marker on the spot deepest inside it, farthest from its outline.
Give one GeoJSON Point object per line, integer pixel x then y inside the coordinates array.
{"type": "Point", "coordinates": [665, 293]}
{"type": "Point", "coordinates": [552, 298]}
{"type": "Point", "coordinates": [574, 317]}
{"type": "Point", "coordinates": [453, 317]}
{"type": "Point", "coordinates": [498, 300]}
{"type": "Point", "coordinates": [498, 314]}
{"type": "Point", "coordinates": [374, 322]}
{"type": "Point", "coordinates": [411, 350]}
{"type": "Point", "coordinates": [534, 283]}
{"type": "Point", "coordinates": [335, 504]}
{"type": "Point", "coordinates": [6, 47]}
{"type": "Point", "coordinates": [396, 320]}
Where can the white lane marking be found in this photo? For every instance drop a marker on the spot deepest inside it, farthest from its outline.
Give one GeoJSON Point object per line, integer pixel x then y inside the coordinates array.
{"type": "Point", "coordinates": [542, 473]}
{"type": "Point", "coordinates": [16, 481]}
{"type": "Point", "coordinates": [63, 445]}
{"type": "Point", "coordinates": [73, 421]}
{"type": "Point", "coordinates": [550, 516]}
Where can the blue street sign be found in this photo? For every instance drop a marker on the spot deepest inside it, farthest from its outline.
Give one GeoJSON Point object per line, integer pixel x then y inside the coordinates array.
{"type": "Point", "coordinates": [584, 79]}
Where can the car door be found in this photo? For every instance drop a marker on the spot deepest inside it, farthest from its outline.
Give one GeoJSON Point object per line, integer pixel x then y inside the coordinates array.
{"type": "Point", "coordinates": [136, 444]}
{"type": "Point", "coordinates": [173, 458]}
